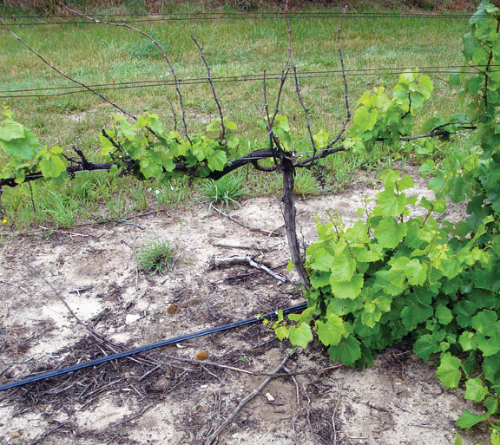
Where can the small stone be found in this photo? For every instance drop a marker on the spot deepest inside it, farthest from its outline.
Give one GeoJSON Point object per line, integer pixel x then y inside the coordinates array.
{"type": "Point", "coordinates": [15, 435]}
{"type": "Point", "coordinates": [269, 397]}
{"type": "Point", "coordinates": [173, 308]}
{"type": "Point", "coordinates": [202, 355]}
{"type": "Point", "coordinates": [129, 319]}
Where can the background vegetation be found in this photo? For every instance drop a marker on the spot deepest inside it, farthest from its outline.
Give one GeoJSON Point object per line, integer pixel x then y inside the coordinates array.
{"type": "Point", "coordinates": [98, 54]}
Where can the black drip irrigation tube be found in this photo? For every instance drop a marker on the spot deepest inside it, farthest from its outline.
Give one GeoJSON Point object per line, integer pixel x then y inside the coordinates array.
{"type": "Point", "coordinates": [145, 348]}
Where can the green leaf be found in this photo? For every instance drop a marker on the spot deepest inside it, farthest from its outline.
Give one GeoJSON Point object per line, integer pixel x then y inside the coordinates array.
{"type": "Point", "coordinates": [331, 331]}
{"type": "Point", "coordinates": [217, 160]}
{"type": "Point", "coordinates": [406, 182]}
{"type": "Point", "coordinates": [488, 346]}
{"type": "Point", "coordinates": [425, 346]}
{"type": "Point", "coordinates": [443, 314]}
{"type": "Point", "coordinates": [365, 120]}
{"type": "Point", "coordinates": [495, 244]}
{"type": "Point", "coordinates": [450, 267]}
{"type": "Point", "coordinates": [416, 272]}
{"type": "Point", "coordinates": [363, 255]}
{"type": "Point", "coordinates": [198, 151]}
{"type": "Point", "coordinates": [52, 167]}
{"type": "Point", "coordinates": [300, 335]}
{"type": "Point", "coordinates": [214, 125]}
{"type": "Point", "coordinates": [495, 437]}
{"type": "Point", "coordinates": [389, 178]}
{"type": "Point", "coordinates": [230, 125]}
{"type": "Point", "coordinates": [485, 321]}
{"type": "Point", "coordinates": [149, 168]}
{"type": "Point", "coordinates": [467, 341]}
{"type": "Point", "coordinates": [350, 289]}
{"type": "Point", "coordinates": [389, 233]}
{"type": "Point", "coordinates": [390, 203]}
{"type": "Point", "coordinates": [21, 148]}
{"type": "Point", "coordinates": [233, 142]}
{"type": "Point", "coordinates": [343, 267]}
{"type": "Point", "coordinates": [282, 332]}
{"type": "Point", "coordinates": [318, 281]}
{"type": "Point", "coordinates": [321, 139]}
{"type": "Point", "coordinates": [474, 85]}
{"type": "Point", "coordinates": [449, 371]}
{"type": "Point", "coordinates": [11, 130]}
{"type": "Point", "coordinates": [475, 390]}
{"type": "Point", "coordinates": [341, 306]}
{"type": "Point", "coordinates": [468, 420]}
{"type": "Point", "coordinates": [321, 260]}
{"type": "Point", "coordinates": [347, 351]}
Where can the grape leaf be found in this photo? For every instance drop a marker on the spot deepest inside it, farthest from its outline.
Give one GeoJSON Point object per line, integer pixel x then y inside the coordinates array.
{"type": "Point", "coordinates": [331, 331]}
{"type": "Point", "coordinates": [347, 351]}
{"type": "Point", "coordinates": [217, 160]}
{"type": "Point", "coordinates": [52, 167]}
{"type": "Point", "coordinates": [300, 335]}
{"type": "Point", "coordinates": [449, 371]}
{"type": "Point", "coordinates": [11, 130]}
{"type": "Point", "coordinates": [347, 289]}
{"type": "Point", "coordinates": [389, 233]}
{"type": "Point", "coordinates": [443, 314]}
{"type": "Point", "coordinates": [475, 390]}
{"type": "Point", "coordinates": [468, 420]}
{"type": "Point", "coordinates": [425, 346]}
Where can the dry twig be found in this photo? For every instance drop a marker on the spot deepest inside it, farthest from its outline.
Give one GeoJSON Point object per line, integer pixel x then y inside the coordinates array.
{"type": "Point", "coordinates": [16, 285]}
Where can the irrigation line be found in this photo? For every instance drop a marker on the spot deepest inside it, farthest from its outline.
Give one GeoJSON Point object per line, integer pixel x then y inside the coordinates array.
{"type": "Point", "coordinates": [233, 79]}
{"type": "Point", "coordinates": [99, 361]}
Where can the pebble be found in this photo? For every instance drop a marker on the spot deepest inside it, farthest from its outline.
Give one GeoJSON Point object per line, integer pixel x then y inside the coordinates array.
{"type": "Point", "coordinates": [129, 319]}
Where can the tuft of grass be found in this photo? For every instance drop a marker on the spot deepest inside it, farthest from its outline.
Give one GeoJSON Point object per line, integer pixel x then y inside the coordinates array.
{"type": "Point", "coordinates": [225, 191]}
{"type": "Point", "coordinates": [157, 257]}
{"type": "Point", "coordinates": [306, 184]}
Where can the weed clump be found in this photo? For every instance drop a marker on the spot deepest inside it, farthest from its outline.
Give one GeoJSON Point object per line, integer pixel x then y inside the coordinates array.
{"type": "Point", "coordinates": [225, 191]}
{"type": "Point", "coordinates": [157, 257]}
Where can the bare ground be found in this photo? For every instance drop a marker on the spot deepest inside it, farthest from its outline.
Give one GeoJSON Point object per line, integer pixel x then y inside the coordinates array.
{"type": "Point", "coordinates": [156, 399]}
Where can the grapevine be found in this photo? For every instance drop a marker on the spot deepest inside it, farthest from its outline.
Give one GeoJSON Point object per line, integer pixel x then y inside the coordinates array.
{"type": "Point", "coordinates": [390, 276]}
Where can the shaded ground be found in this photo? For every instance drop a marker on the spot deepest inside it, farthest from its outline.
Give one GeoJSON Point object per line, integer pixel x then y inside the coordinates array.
{"type": "Point", "coordinates": [156, 399]}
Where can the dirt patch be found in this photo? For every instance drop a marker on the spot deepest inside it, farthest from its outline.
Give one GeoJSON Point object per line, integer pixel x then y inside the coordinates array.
{"type": "Point", "coordinates": [155, 399]}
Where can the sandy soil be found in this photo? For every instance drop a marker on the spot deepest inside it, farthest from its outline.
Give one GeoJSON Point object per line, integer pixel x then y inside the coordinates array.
{"type": "Point", "coordinates": [156, 399]}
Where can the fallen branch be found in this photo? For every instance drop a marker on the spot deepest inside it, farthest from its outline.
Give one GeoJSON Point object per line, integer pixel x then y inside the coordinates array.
{"type": "Point", "coordinates": [247, 399]}
{"type": "Point", "coordinates": [247, 260]}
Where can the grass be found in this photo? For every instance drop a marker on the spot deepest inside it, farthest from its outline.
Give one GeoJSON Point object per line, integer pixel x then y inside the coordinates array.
{"type": "Point", "coordinates": [225, 191]}
{"type": "Point", "coordinates": [99, 54]}
{"type": "Point", "coordinates": [157, 257]}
